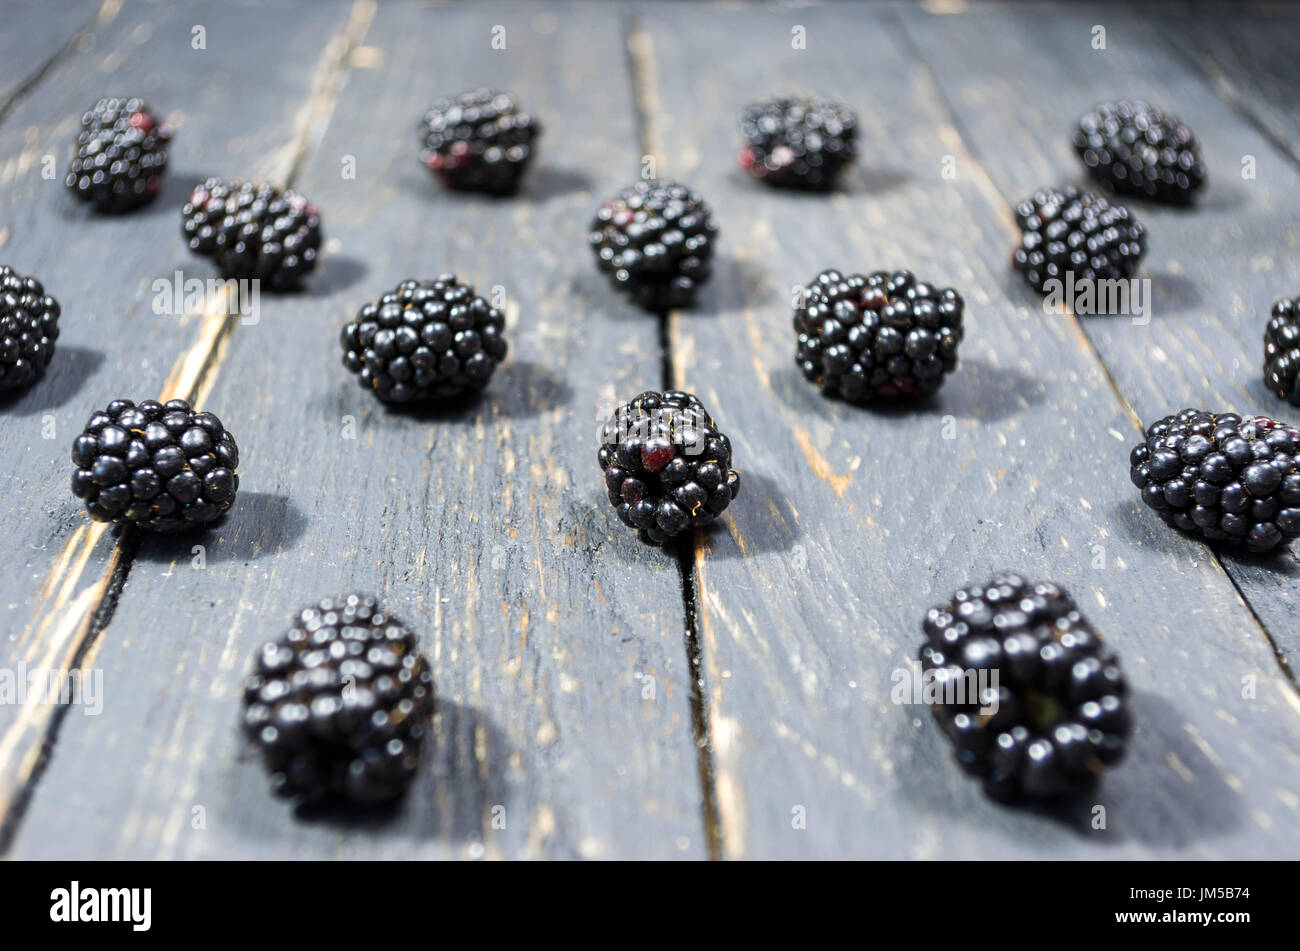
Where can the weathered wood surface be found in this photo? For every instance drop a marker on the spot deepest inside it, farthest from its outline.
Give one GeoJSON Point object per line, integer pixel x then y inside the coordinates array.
{"type": "Point", "coordinates": [559, 644]}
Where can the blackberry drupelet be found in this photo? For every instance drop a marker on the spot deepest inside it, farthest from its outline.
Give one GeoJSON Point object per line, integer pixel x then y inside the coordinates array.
{"type": "Point", "coordinates": [655, 241]}
{"type": "Point", "coordinates": [798, 143]}
{"type": "Point", "coordinates": [339, 705]}
{"type": "Point", "coordinates": [121, 155]}
{"type": "Point", "coordinates": [425, 340]}
{"type": "Point", "coordinates": [158, 466]}
{"type": "Point", "coordinates": [29, 325]}
{"type": "Point", "coordinates": [1222, 476]}
{"type": "Point", "coordinates": [478, 141]}
{"type": "Point", "coordinates": [877, 337]}
{"type": "Point", "coordinates": [1051, 711]}
{"type": "Point", "coordinates": [1282, 351]}
{"type": "Point", "coordinates": [1140, 150]}
{"type": "Point", "coordinates": [667, 466]}
{"type": "Point", "coordinates": [253, 231]}
{"type": "Point", "coordinates": [1069, 230]}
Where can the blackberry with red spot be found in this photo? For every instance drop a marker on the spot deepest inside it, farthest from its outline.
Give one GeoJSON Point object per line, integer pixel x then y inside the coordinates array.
{"type": "Point", "coordinates": [157, 466]}
{"type": "Point", "coordinates": [1032, 699]}
{"type": "Point", "coordinates": [1138, 149]}
{"type": "Point", "coordinates": [425, 340]}
{"type": "Point", "coordinates": [1080, 232]}
{"type": "Point", "coordinates": [1228, 478]}
{"type": "Point", "coordinates": [121, 155]}
{"type": "Point", "coordinates": [1282, 351]}
{"type": "Point", "coordinates": [798, 142]}
{"type": "Point", "coordinates": [481, 140]}
{"type": "Point", "coordinates": [881, 336]}
{"type": "Point", "coordinates": [29, 325]}
{"type": "Point", "coordinates": [254, 231]}
{"type": "Point", "coordinates": [339, 705]}
{"type": "Point", "coordinates": [655, 241]}
{"type": "Point", "coordinates": [667, 466]}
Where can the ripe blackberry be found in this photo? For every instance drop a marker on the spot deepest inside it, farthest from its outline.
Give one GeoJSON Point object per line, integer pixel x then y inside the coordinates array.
{"type": "Point", "coordinates": [338, 705]}
{"type": "Point", "coordinates": [887, 335]}
{"type": "Point", "coordinates": [159, 466]}
{"type": "Point", "coordinates": [478, 141]}
{"type": "Point", "coordinates": [655, 241]}
{"type": "Point", "coordinates": [1282, 351]}
{"type": "Point", "coordinates": [1222, 476]}
{"type": "Point", "coordinates": [1139, 150]}
{"type": "Point", "coordinates": [121, 155]}
{"type": "Point", "coordinates": [667, 466]}
{"type": "Point", "coordinates": [1030, 696]}
{"type": "Point", "coordinates": [253, 231]}
{"type": "Point", "coordinates": [425, 340]}
{"type": "Point", "coordinates": [29, 325]}
{"type": "Point", "coordinates": [798, 143]}
{"type": "Point", "coordinates": [1080, 232]}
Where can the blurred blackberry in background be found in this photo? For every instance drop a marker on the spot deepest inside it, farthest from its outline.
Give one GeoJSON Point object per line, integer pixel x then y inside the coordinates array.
{"type": "Point", "coordinates": [877, 337]}
{"type": "Point", "coordinates": [253, 231]}
{"type": "Point", "coordinates": [121, 155]}
{"type": "Point", "coordinates": [159, 466]}
{"type": "Point", "coordinates": [29, 325]}
{"type": "Point", "coordinates": [425, 339]}
{"type": "Point", "coordinates": [1282, 351]}
{"type": "Point", "coordinates": [667, 466]}
{"type": "Point", "coordinates": [478, 141]}
{"type": "Point", "coordinates": [798, 143]}
{"type": "Point", "coordinates": [1222, 476]}
{"type": "Point", "coordinates": [1139, 150]}
{"type": "Point", "coordinates": [1031, 698]}
{"type": "Point", "coordinates": [1069, 230]}
{"type": "Point", "coordinates": [655, 241]}
{"type": "Point", "coordinates": [339, 706]}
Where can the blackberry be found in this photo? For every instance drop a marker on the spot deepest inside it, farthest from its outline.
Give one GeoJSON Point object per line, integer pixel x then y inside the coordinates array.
{"type": "Point", "coordinates": [1282, 351]}
{"type": "Point", "coordinates": [121, 156]}
{"type": "Point", "coordinates": [882, 336]}
{"type": "Point", "coordinates": [1080, 232]}
{"type": "Point", "coordinates": [478, 141]}
{"type": "Point", "coordinates": [1030, 696]}
{"type": "Point", "coordinates": [425, 340]}
{"type": "Point", "coordinates": [667, 466]}
{"type": "Point", "coordinates": [29, 325]}
{"type": "Point", "coordinates": [158, 466]}
{"type": "Point", "coordinates": [655, 241]}
{"type": "Point", "coordinates": [1139, 150]}
{"type": "Point", "coordinates": [253, 231]}
{"type": "Point", "coordinates": [1222, 476]}
{"type": "Point", "coordinates": [338, 705]}
{"type": "Point", "coordinates": [798, 143]}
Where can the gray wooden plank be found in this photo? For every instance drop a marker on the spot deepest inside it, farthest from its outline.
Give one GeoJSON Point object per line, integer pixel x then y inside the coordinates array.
{"type": "Point", "coordinates": [852, 522]}
{"type": "Point", "coordinates": [36, 35]}
{"type": "Point", "coordinates": [547, 623]}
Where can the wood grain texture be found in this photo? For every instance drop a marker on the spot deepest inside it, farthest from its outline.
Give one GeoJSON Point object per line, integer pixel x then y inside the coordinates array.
{"type": "Point", "coordinates": [852, 522]}
{"type": "Point", "coordinates": [555, 637]}
{"type": "Point", "coordinates": [36, 36]}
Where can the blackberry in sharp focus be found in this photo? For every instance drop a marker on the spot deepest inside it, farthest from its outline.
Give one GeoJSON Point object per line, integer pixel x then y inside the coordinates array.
{"type": "Point", "coordinates": [478, 141]}
{"type": "Point", "coordinates": [253, 231]}
{"type": "Point", "coordinates": [877, 337]}
{"type": "Point", "coordinates": [667, 467]}
{"type": "Point", "coordinates": [159, 466]}
{"type": "Point", "coordinates": [1069, 230]}
{"type": "Point", "coordinates": [1222, 476]}
{"type": "Point", "coordinates": [655, 241]}
{"type": "Point", "coordinates": [1139, 150]}
{"type": "Point", "coordinates": [121, 155]}
{"type": "Point", "coordinates": [1030, 696]}
{"type": "Point", "coordinates": [425, 340]}
{"type": "Point", "coordinates": [29, 325]}
{"type": "Point", "coordinates": [1282, 351]}
{"type": "Point", "coordinates": [798, 143]}
{"type": "Point", "coordinates": [339, 706]}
